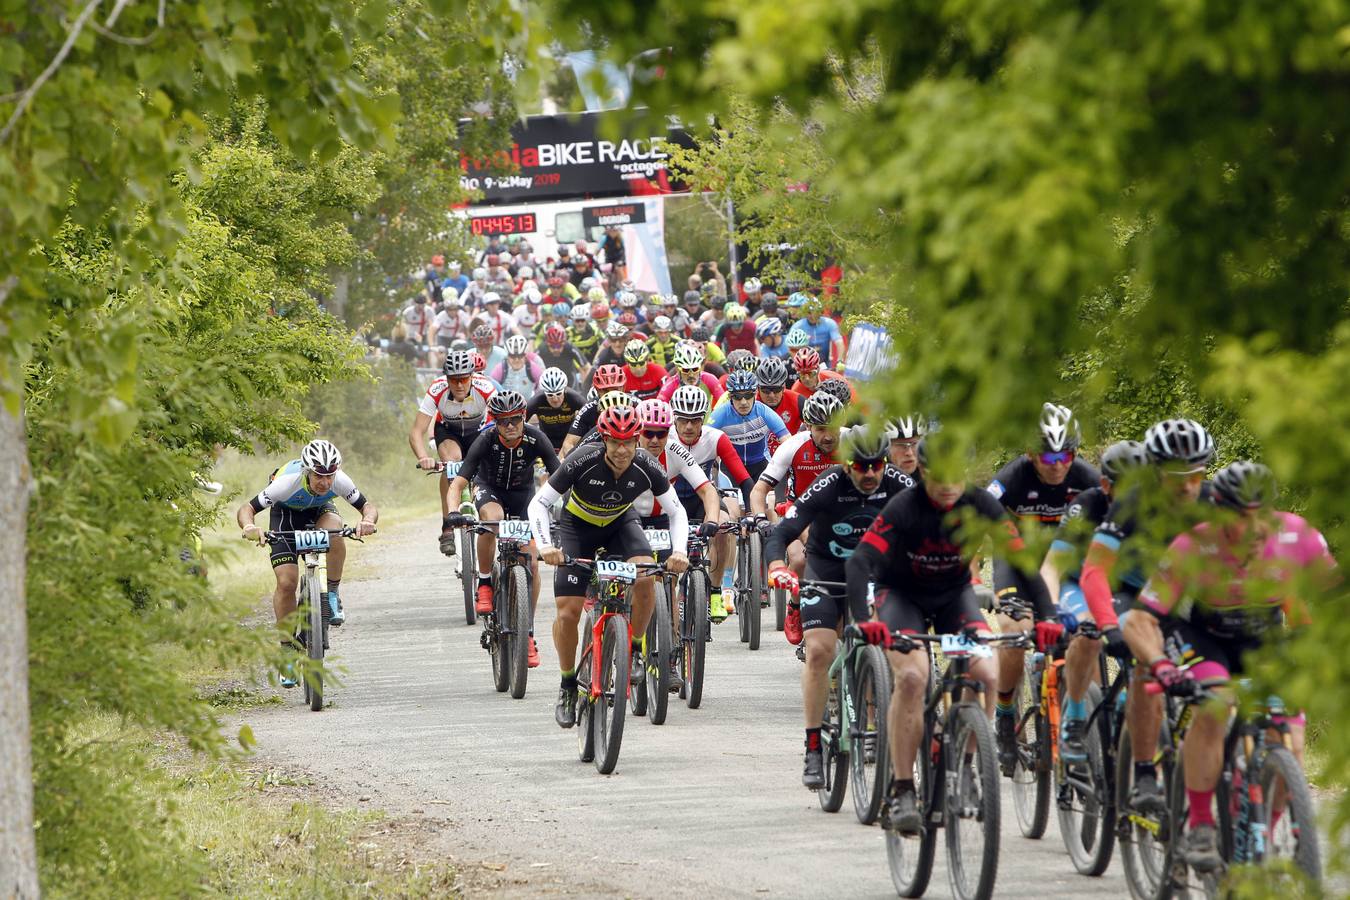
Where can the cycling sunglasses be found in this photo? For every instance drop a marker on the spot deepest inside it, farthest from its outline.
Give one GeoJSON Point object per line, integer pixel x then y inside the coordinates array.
{"type": "Point", "coordinates": [511, 421]}
{"type": "Point", "coordinates": [867, 465]}
{"type": "Point", "coordinates": [324, 472]}
{"type": "Point", "coordinates": [743, 395]}
{"type": "Point", "coordinates": [656, 434]}
{"type": "Point", "coordinates": [1059, 456]}
{"type": "Point", "coordinates": [461, 379]}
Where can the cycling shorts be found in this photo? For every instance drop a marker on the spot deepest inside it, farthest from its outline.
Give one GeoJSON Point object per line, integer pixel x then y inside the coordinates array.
{"type": "Point", "coordinates": [581, 540]}
{"type": "Point", "coordinates": [1217, 659]}
{"type": "Point", "coordinates": [515, 504]}
{"type": "Point", "coordinates": [823, 607]}
{"type": "Point", "coordinates": [914, 612]}
{"type": "Point", "coordinates": [284, 518]}
{"type": "Point", "coordinates": [757, 468]}
{"type": "Point", "coordinates": [443, 432]}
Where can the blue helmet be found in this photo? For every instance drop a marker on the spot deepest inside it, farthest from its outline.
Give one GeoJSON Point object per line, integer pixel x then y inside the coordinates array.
{"type": "Point", "coordinates": [562, 309]}
{"type": "Point", "coordinates": [742, 381]}
{"type": "Point", "coordinates": [768, 327]}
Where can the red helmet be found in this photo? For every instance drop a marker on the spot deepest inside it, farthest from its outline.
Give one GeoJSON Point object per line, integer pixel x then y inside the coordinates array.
{"type": "Point", "coordinates": [628, 317]}
{"type": "Point", "coordinates": [620, 423]}
{"type": "Point", "coordinates": [479, 363]}
{"type": "Point", "coordinates": [806, 359]}
{"type": "Point", "coordinates": [555, 335]}
{"type": "Point", "coordinates": [606, 377]}
{"type": "Point", "coordinates": [555, 281]}
{"type": "Point", "coordinates": [599, 311]}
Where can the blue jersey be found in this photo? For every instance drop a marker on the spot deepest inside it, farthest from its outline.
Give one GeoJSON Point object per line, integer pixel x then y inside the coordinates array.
{"type": "Point", "coordinates": [820, 335]}
{"type": "Point", "coordinates": [781, 350]}
{"type": "Point", "coordinates": [749, 434]}
{"type": "Point", "coordinates": [290, 488]}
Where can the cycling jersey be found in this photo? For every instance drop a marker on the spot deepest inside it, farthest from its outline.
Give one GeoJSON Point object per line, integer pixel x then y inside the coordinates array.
{"type": "Point", "coordinates": [679, 464]}
{"type": "Point", "coordinates": [492, 463]}
{"type": "Point", "coordinates": [799, 388]}
{"type": "Point", "coordinates": [800, 456]}
{"type": "Point", "coordinates": [608, 356]}
{"type": "Point", "coordinates": [585, 339]}
{"type": "Point", "coordinates": [461, 418]}
{"type": "Point", "coordinates": [781, 350]}
{"type": "Point", "coordinates": [290, 489]}
{"type": "Point", "coordinates": [501, 323]}
{"type": "Point", "coordinates": [750, 433]}
{"type": "Point", "coordinates": [583, 423]}
{"type": "Point", "coordinates": [706, 381]}
{"type": "Point", "coordinates": [646, 385]}
{"type": "Point", "coordinates": [568, 358]}
{"type": "Point", "coordinates": [596, 496]}
{"type": "Point", "coordinates": [555, 421]}
{"type": "Point", "coordinates": [663, 352]}
{"type": "Point", "coordinates": [711, 448]}
{"type": "Point", "coordinates": [1084, 514]}
{"type": "Point", "coordinates": [1020, 489]}
{"type": "Point", "coordinates": [789, 409]}
{"type": "Point", "coordinates": [821, 335]}
{"type": "Point", "coordinates": [736, 337]}
{"type": "Point", "coordinates": [840, 514]}
{"type": "Point", "coordinates": [522, 379]}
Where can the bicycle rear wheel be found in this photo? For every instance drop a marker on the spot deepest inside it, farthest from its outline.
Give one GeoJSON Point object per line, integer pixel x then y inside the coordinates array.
{"type": "Point", "coordinates": [659, 640]}
{"type": "Point", "coordinates": [1087, 807]}
{"type": "Point", "coordinates": [694, 635]}
{"type": "Point", "coordinates": [831, 796]}
{"type": "Point", "coordinates": [754, 603]}
{"type": "Point", "coordinates": [1142, 838]}
{"type": "Point", "coordinates": [1292, 834]}
{"type": "Point", "coordinates": [1031, 770]}
{"type": "Point", "coordinates": [518, 620]}
{"type": "Point", "coordinates": [972, 805]}
{"type": "Point", "coordinates": [314, 617]}
{"type": "Point", "coordinates": [585, 707]}
{"type": "Point", "coordinates": [468, 573]}
{"type": "Point", "coordinates": [870, 764]}
{"type": "Point", "coordinates": [611, 705]}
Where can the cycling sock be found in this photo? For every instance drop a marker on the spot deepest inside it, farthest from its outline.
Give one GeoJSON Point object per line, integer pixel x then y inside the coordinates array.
{"type": "Point", "coordinates": [813, 739]}
{"type": "Point", "coordinates": [1144, 770]}
{"type": "Point", "coordinates": [1004, 706]}
{"type": "Point", "coordinates": [637, 648]}
{"type": "Point", "coordinates": [484, 579]}
{"type": "Point", "coordinates": [333, 585]}
{"type": "Point", "coordinates": [902, 785]}
{"type": "Point", "coordinates": [1075, 709]}
{"type": "Point", "coordinates": [1201, 812]}
{"type": "Point", "coordinates": [569, 680]}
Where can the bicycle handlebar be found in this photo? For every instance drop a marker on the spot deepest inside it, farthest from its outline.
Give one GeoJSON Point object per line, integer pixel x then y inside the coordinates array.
{"type": "Point", "coordinates": [346, 531]}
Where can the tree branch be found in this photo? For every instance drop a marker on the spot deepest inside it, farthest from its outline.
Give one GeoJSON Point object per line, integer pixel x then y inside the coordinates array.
{"type": "Point", "coordinates": [47, 73]}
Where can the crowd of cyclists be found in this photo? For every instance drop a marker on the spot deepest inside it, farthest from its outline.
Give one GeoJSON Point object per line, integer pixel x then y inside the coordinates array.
{"type": "Point", "coordinates": [595, 412]}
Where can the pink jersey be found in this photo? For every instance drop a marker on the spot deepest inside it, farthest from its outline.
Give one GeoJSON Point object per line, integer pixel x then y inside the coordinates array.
{"type": "Point", "coordinates": [710, 384]}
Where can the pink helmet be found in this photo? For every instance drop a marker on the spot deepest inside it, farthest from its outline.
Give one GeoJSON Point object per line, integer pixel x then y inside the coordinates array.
{"type": "Point", "coordinates": [655, 414]}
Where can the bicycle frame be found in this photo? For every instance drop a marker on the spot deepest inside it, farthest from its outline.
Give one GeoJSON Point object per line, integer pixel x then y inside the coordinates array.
{"type": "Point", "coordinates": [612, 598]}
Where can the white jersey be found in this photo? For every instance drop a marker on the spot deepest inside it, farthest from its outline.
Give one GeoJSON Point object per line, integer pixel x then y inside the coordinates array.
{"type": "Point", "coordinates": [463, 417]}
{"type": "Point", "coordinates": [679, 463]}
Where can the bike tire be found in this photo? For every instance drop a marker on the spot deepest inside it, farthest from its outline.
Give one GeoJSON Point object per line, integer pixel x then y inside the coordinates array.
{"type": "Point", "coordinates": [1181, 881]}
{"type": "Point", "coordinates": [910, 858]}
{"type": "Point", "coordinates": [518, 618]}
{"type": "Point", "coordinates": [835, 758]}
{"type": "Point", "coordinates": [1281, 766]}
{"type": "Point", "coordinates": [612, 703]}
{"type": "Point", "coordinates": [468, 574]}
{"type": "Point", "coordinates": [741, 587]}
{"type": "Point", "coordinates": [754, 568]}
{"type": "Point", "coordinates": [1032, 771]}
{"type": "Point", "coordinates": [637, 695]}
{"type": "Point", "coordinates": [659, 640]}
{"type": "Point", "coordinates": [314, 647]}
{"type": "Point", "coordinates": [1141, 840]}
{"type": "Point", "coordinates": [970, 725]}
{"type": "Point", "coordinates": [779, 608]}
{"type": "Point", "coordinates": [1088, 826]}
{"type": "Point", "coordinates": [869, 764]}
{"type": "Point", "coordinates": [499, 651]}
{"type": "Point", "coordinates": [585, 709]}
{"type": "Point", "coordinates": [694, 636]}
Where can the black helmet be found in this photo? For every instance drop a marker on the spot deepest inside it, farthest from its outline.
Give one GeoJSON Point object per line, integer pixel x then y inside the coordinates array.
{"type": "Point", "coordinates": [863, 444]}
{"type": "Point", "coordinates": [1244, 485]}
{"type": "Point", "coordinates": [772, 372]}
{"type": "Point", "coordinates": [837, 388]}
{"type": "Point", "coordinates": [1122, 456]}
{"type": "Point", "coordinates": [506, 402]}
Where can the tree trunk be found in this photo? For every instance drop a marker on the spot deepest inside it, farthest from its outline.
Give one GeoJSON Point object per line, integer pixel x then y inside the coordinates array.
{"type": "Point", "coordinates": [18, 851]}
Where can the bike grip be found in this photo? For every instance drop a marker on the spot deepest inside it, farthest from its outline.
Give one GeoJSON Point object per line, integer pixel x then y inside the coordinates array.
{"type": "Point", "coordinates": [1152, 688]}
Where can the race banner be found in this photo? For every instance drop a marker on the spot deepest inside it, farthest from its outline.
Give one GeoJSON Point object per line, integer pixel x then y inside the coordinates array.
{"type": "Point", "coordinates": [870, 352]}
{"type": "Point", "coordinates": [630, 213]}
{"type": "Point", "coordinates": [564, 157]}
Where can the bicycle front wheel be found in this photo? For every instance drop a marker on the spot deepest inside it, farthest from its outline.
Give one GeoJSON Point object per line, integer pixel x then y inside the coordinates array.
{"type": "Point", "coordinates": [1143, 838]}
{"type": "Point", "coordinates": [1087, 808]}
{"type": "Point", "coordinates": [741, 587]}
{"type": "Point", "coordinates": [518, 620]}
{"type": "Point", "coordinates": [754, 603]}
{"type": "Point", "coordinates": [612, 703]}
{"type": "Point", "coordinates": [659, 640]}
{"type": "Point", "coordinates": [835, 758]}
{"type": "Point", "coordinates": [468, 574]}
{"type": "Point", "coordinates": [870, 764]}
{"type": "Point", "coordinates": [779, 608]}
{"type": "Point", "coordinates": [1290, 819]}
{"type": "Point", "coordinates": [314, 644]}
{"type": "Point", "coordinates": [694, 635]}
{"type": "Point", "coordinates": [910, 858]}
{"type": "Point", "coordinates": [972, 804]}
{"type": "Point", "coordinates": [1031, 770]}
{"type": "Point", "coordinates": [585, 724]}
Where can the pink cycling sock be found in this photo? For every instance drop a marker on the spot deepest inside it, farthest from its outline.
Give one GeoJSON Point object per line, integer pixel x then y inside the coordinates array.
{"type": "Point", "coordinates": [1202, 807]}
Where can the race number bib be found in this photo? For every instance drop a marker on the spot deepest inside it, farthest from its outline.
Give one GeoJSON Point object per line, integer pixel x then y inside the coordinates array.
{"type": "Point", "coordinates": [514, 530]}
{"type": "Point", "coordinates": [452, 469]}
{"type": "Point", "coordinates": [311, 541]}
{"type": "Point", "coordinates": [658, 538]}
{"type": "Point", "coordinates": [958, 645]}
{"type": "Point", "coordinates": [616, 570]}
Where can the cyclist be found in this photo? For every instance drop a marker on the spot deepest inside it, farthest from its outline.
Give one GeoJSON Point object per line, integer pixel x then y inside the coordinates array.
{"type": "Point", "coordinates": [500, 466]}
{"type": "Point", "coordinates": [605, 380]}
{"type": "Point", "coordinates": [451, 323]}
{"type": "Point", "coordinates": [748, 422]}
{"type": "Point", "coordinates": [1220, 591]}
{"type": "Point", "coordinates": [809, 374]}
{"type": "Point", "coordinates": [521, 368]}
{"type": "Point", "coordinates": [1035, 487]}
{"type": "Point", "coordinates": [662, 342]}
{"type": "Point", "coordinates": [600, 482]}
{"type": "Point", "coordinates": [642, 377]}
{"type": "Point", "coordinates": [772, 373]}
{"type": "Point", "coordinates": [904, 434]}
{"type": "Point", "coordinates": [769, 334]}
{"type": "Point", "coordinates": [616, 341]}
{"type": "Point", "coordinates": [822, 333]}
{"type": "Point", "coordinates": [710, 447]}
{"type": "Point", "coordinates": [736, 332]}
{"type": "Point", "coordinates": [457, 404]}
{"type": "Point", "coordinates": [501, 323]}
{"type": "Point", "coordinates": [301, 495]}
{"type": "Point", "coordinates": [557, 353]}
{"type": "Point", "coordinates": [841, 504]}
{"type": "Point", "coordinates": [584, 336]}
{"type": "Point", "coordinates": [484, 345]}
{"type": "Point", "coordinates": [918, 552]}
{"type": "Point", "coordinates": [689, 361]}
{"type": "Point", "coordinates": [713, 357]}
{"type": "Point", "coordinates": [554, 406]}
{"type": "Point", "coordinates": [1137, 525]}
{"type": "Point", "coordinates": [628, 302]}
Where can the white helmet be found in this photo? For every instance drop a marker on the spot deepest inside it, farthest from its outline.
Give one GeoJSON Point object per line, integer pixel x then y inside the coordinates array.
{"type": "Point", "coordinates": [586, 284]}
{"type": "Point", "coordinates": [688, 356]}
{"type": "Point", "coordinates": [662, 323]}
{"type": "Point", "coordinates": [492, 297]}
{"type": "Point", "coordinates": [752, 286]}
{"type": "Point", "coordinates": [525, 272]}
{"type": "Point", "coordinates": [689, 400]}
{"type": "Point", "coordinates": [581, 312]}
{"type": "Point", "coordinates": [532, 295]}
{"type": "Point", "coordinates": [480, 274]}
{"type": "Point", "coordinates": [797, 339]}
{"type": "Point", "coordinates": [906, 427]}
{"type": "Point", "coordinates": [553, 381]}
{"type": "Point", "coordinates": [449, 295]}
{"type": "Point", "coordinates": [627, 298]}
{"type": "Point", "coordinates": [516, 345]}
{"type": "Point", "coordinates": [615, 330]}
{"type": "Point", "coordinates": [320, 457]}
{"type": "Point", "coordinates": [1059, 429]}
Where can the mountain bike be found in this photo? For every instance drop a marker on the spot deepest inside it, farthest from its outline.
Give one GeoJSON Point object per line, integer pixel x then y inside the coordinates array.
{"type": "Point", "coordinates": [1264, 806]}
{"type": "Point", "coordinates": [311, 547]}
{"type": "Point", "coordinates": [506, 630]}
{"type": "Point", "coordinates": [465, 561]}
{"type": "Point", "coordinates": [651, 696]}
{"type": "Point", "coordinates": [695, 587]}
{"type": "Point", "coordinates": [603, 670]}
{"type": "Point", "coordinates": [750, 576]}
{"type": "Point", "coordinates": [955, 775]}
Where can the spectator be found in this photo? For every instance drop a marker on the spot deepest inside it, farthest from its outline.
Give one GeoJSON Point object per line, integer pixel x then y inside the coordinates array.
{"type": "Point", "coordinates": [615, 253]}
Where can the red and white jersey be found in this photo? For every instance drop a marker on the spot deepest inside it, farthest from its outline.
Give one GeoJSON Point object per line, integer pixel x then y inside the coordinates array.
{"type": "Point", "coordinates": [800, 456]}
{"type": "Point", "coordinates": [679, 463]}
{"type": "Point", "coordinates": [462, 416]}
{"type": "Point", "coordinates": [713, 446]}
